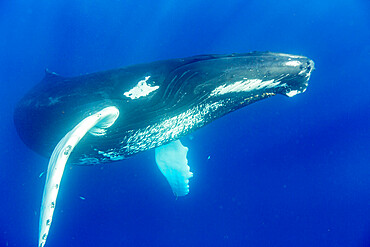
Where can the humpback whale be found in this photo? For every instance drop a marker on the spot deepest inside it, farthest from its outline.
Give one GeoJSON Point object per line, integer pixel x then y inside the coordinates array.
{"type": "Point", "coordinates": [117, 113]}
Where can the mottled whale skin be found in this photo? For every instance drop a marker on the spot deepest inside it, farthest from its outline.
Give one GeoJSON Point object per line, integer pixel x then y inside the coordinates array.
{"type": "Point", "coordinates": [159, 102]}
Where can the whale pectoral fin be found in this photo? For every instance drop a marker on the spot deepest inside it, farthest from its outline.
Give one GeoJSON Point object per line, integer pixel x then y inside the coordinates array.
{"type": "Point", "coordinates": [94, 124]}
{"type": "Point", "coordinates": [172, 162]}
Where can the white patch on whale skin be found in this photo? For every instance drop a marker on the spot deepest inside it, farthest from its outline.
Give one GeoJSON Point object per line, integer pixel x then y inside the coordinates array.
{"type": "Point", "coordinates": [293, 63]}
{"type": "Point", "coordinates": [289, 55]}
{"type": "Point", "coordinates": [53, 101]}
{"type": "Point", "coordinates": [141, 89]}
{"type": "Point", "coordinates": [88, 161]}
{"type": "Point", "coordinates": [59, 159]}
{"type": "Point", "coordinates": [293, 93]}
{"type": "Point", "coordinates": [114, 156]}
{"type": "Point", "coordinates": [245, 85]}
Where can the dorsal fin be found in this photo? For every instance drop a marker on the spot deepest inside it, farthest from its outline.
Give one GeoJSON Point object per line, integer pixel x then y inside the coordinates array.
{"type": "Point", "coordinates": [50, 75]}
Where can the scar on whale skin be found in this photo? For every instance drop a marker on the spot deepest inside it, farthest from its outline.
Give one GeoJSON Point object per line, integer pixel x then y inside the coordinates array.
{"type": "Point", "coordinates": [96, 125]}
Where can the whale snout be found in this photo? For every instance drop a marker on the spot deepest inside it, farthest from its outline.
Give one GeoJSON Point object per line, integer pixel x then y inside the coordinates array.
{"type": "Point", "coordinates": [307, 67]}
{"type": "Point", "coordinates": [310, 65]}
{"type": "Point", "coordinates": [297, 82]}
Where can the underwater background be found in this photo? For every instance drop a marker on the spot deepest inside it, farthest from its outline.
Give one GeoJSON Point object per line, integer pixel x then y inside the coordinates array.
{"type": "Point", "coordinates": [280, 172]}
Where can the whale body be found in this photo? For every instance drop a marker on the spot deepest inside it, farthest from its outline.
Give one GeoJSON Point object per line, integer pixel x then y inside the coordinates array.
{"type": "Point", "coordinates": [178, 96]}
{"type": "Point", "coordinates": [117, 113]}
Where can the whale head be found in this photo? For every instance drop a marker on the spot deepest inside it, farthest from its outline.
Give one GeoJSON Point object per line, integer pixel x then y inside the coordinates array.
{"type": "Point", "coordinates": [239, 77]}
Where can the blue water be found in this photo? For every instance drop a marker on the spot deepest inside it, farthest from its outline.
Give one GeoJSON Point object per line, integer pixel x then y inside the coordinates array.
{"type": "Point", "coordinates": [282, 172]}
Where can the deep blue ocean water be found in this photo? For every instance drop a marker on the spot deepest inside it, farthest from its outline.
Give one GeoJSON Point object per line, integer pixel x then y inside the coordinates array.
{"type": "Point", "coordinates": [281, 172]}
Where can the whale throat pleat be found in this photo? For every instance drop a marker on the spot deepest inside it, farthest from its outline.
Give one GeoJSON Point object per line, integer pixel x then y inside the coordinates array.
{"type": "Point", "coordinates": [96, 124]}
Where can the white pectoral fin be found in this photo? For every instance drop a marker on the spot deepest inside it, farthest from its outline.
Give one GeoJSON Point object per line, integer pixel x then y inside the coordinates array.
{"type": "Point", "coordinates": [172, 162]}
{"type": "Point", "coordinates": [101, 120]}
